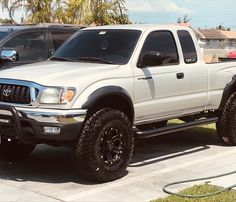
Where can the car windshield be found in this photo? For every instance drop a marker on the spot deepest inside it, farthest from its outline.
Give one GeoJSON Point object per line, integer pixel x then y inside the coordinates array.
{"type": "Point", "coordinates": [99, 46]}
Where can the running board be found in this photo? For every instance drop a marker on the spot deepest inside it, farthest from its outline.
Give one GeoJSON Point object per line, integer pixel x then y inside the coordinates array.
{"type": "Point", "coordinates": [174, 128]}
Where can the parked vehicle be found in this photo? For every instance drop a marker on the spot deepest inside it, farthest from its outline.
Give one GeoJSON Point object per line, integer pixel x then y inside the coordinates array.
{"type": "Point", "coordinates": [231, 54]}
{"type": "Point", "coordinates": [108, 85]}
{"type": "Point", "coordinates": [31, 43]}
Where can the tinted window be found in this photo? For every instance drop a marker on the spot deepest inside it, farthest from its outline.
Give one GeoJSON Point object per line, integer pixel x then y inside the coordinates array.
{"type": "Point", "coordinates": [159, 49]}
{"type": "Point", "coordinates": [5, 31]}
{"type": "Point", "coordinates": [188, 47]}
{"type": "Point", "coordinates": [115, 46]}
{"type": "Point", "coordinates": [3, 34]}
{"type": "Point", "coordinates": [30, 46]}
{"type": "Point", "coordinates": [58, 38]}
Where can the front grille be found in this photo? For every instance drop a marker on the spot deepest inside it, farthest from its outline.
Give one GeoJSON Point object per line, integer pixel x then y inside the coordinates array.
{"type": "Point", "coordinates": [18, 94]}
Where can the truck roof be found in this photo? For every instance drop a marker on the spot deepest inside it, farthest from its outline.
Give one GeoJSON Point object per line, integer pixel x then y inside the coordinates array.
{"type": "Point", "coordinates": [141, 27]}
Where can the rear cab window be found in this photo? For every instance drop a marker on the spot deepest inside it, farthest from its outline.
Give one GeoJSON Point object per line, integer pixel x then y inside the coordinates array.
{"type": "Point", "coordinates": [188, 47]}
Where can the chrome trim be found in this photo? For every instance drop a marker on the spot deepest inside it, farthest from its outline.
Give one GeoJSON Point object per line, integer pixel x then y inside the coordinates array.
{"type": "Point", "coordinates": [53, 116]}
{"type": "Point", "coordinates": [52, 112]}
{"type": "Point", "coordinates": [33, 87]}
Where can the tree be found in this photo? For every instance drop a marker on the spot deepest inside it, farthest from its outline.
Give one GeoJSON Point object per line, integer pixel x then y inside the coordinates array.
{"type": "Point", "coordinates": [100, 12]}
{"type": "Point", "coordinates": [7, 21]}
{"type": "Point", "coordinates": [184, 20]}
{"type": "Point", "coordinates": [5, 5]}
{"type": "Point", "coordinates": [71, 12]}
{"type": "Point", "coordinates": [36, 10]}
{"type": "Point", "coordinates": [103, 12]}
{"type": "Point", "coordinates": [223, 28]}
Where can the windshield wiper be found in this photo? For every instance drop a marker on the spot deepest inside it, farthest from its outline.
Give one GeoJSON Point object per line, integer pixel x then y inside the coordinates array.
{"type": "Point", "coordinates": [95, 59]}
{"type": "Point", "coordinates": [61, 59]}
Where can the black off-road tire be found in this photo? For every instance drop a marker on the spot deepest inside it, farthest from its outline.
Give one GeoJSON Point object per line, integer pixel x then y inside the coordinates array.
{"type": "Point", "coordinates": [15, 150]}
{"type": "Point", "coordinates": [105, 146]}
{"type": "Point", "coordinates": [226, 124]}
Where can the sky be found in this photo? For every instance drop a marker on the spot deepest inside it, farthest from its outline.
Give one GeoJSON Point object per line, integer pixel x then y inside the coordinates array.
{"type": "Point", "coordinates": [203, 13]}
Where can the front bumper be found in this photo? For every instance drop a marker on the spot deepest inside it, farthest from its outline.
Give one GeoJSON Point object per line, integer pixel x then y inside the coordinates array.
{"type": "Point", "coordinates": [28, 124]}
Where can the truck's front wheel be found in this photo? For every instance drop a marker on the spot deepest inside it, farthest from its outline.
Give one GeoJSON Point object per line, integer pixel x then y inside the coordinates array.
{"type": "Point", "coordinates": [105, 146]}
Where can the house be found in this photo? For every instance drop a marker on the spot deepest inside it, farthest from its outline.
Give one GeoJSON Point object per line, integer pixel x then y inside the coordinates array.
{"type": "Point", "coordinates": [218, 42]}
{"type": "Point", "coordinates": [231, 39]}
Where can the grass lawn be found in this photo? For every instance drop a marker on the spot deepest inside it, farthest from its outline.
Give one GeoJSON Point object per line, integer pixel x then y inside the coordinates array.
{"type": "Point", "coordinates": [228, 196]}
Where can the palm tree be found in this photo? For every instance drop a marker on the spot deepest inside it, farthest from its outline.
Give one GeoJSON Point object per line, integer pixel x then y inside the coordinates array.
{"type": "Point", "coordinates": [6, 5]}
{"type": "Point", "coordinates": [40, 11]}
{"type": "Point", "coordinates": [100, 12]}
{"type": "Point", "coordinates": [36, 10]}
{"type": "Point", "coordinates": [184, 20]}
{"type": "Point", "coordinates": [71, 11]}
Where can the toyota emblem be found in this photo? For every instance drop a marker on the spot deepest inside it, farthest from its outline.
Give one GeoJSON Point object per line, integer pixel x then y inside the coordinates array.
{"type": "Point", "coordinates": [6, 92]}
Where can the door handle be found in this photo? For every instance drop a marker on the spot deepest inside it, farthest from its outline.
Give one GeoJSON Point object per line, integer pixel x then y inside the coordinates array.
{"type": "Point", "coordinates": [180, 75]}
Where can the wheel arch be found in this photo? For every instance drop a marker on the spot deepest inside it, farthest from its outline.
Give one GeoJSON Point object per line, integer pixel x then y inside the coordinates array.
{"type": "Point", "coordinates": [228, 90]}
{"type": "Point", "coordinates": [110, 96]}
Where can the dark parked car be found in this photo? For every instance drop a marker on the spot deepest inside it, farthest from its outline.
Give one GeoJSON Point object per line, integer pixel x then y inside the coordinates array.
{"type": "Point", "coordinates": [23, 44]}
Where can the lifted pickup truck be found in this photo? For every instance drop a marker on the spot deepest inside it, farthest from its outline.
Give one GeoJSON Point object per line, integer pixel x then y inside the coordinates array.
{"type": "Point", "coordinates": [108, 85]}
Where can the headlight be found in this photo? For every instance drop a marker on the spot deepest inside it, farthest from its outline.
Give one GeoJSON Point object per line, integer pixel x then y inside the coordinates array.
{"type": "Point", "coordinates": [50, 96]}
{"type": "Point", "coordinates": [56, 96]}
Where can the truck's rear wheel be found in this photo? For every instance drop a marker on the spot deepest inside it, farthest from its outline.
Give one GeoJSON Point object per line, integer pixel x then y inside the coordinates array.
{"type": "Point", "coordinates": [15, 150]}
{"type": "Point", "coordinates": [226, 125]}
{"type": "Point", "coordinates": [105, 146]}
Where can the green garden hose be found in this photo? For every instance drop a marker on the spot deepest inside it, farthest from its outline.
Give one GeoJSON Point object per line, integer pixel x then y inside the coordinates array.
{"type": "Point", "coordinates": [199, 179]}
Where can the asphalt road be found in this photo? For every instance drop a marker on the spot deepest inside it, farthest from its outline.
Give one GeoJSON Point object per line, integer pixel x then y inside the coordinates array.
{"type": "Point", "coordinates": [47, 174]}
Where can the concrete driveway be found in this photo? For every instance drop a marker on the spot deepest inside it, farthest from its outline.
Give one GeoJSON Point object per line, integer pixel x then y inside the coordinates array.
{"type": "Point", "coordinates": [47, 175]}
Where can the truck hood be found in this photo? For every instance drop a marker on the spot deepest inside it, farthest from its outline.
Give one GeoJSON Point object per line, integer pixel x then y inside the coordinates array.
{"type": "Point", "coordinates": [55, 73]}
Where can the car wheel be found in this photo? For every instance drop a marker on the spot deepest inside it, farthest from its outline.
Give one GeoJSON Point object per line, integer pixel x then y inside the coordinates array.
{"type": "Point", "coordinates": [105, 146]}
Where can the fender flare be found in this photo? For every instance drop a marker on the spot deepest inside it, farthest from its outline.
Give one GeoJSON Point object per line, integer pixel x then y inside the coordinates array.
{"type": "Point", "coordinates": [108, 91]}
{"type": "Point", "coordinates": [227, 91]}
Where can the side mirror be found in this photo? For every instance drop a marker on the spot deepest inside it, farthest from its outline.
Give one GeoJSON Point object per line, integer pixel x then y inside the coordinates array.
{"type": "Point", "coordinates": [151, 58]}
{"type": "Point", "coordinates": [51, 52]}
{"type": "Point", "coordinates": [9, 55]}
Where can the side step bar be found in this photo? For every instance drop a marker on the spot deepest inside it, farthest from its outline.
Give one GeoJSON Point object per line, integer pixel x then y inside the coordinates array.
{"type": "Point", "coordinates": [174, 128]}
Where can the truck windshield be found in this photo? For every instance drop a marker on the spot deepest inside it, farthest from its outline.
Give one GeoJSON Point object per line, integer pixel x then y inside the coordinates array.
{"type": "Point", "coordinates": [99, 46]}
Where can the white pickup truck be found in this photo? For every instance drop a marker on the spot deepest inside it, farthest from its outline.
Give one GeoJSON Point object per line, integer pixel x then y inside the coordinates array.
{"type": "Point", "coordinates": [106, 86]}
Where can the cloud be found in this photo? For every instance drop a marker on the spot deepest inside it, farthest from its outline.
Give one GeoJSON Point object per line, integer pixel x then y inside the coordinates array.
{"type": "Point", "coordinates": [156, 6]}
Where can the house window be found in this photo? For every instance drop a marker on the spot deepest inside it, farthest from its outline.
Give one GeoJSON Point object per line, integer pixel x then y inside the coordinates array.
{"type": "Point", "coordinates": [230, 42]}
{"type": "Point", "coordinates": [222, 43]}
{"type": "Point", "coordinates": [208, 42]}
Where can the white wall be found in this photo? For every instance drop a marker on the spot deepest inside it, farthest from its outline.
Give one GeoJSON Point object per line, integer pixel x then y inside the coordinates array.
{"type": "Point", "coordinates": [218, 48]}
